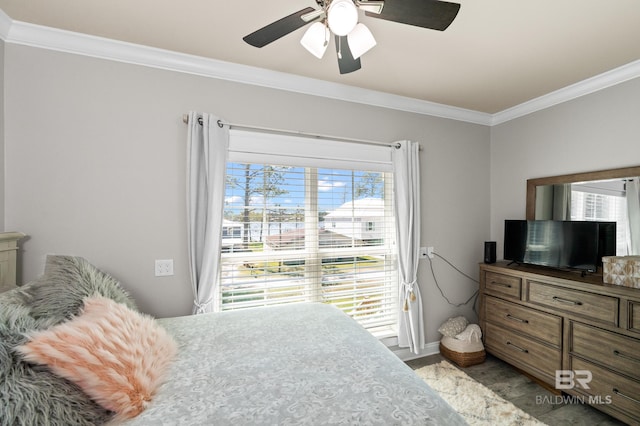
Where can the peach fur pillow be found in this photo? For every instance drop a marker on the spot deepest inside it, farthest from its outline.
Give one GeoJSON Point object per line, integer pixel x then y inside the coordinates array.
{"type": "Point", "coordinates": [115, 355]}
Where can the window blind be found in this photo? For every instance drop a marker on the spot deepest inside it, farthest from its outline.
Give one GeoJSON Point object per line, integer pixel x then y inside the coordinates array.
{"type": "Point", "coordinates": [310, 234]}
{"type": "Point", "coordinates": [300, 151]}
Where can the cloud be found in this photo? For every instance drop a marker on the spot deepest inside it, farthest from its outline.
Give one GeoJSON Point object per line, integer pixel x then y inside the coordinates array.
{"type": "Point", "coordinates": [233, 199]}
{"type": "Point", "coordinates": [325, 185]}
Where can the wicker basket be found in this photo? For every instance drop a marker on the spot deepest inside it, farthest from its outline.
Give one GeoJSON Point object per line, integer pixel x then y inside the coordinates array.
{"type": "Point", "coordinates": [463, 359]}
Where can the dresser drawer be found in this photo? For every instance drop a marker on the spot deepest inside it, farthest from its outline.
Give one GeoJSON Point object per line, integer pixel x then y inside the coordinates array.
{"type": "Point", "coordinates": [522, 349]}
{"type": "Point", "coordinates": [503, 285]}
{"type": "Point", "coordinates": [525, 320]}
{"type": "Point", "coordinates": [634, 316]}
{"type": "Point", "coordinates": [623, 393]}
{"type": "Point", "coordinates": [596, 307]}
{"type": "Point", "coordinates": [616, 351]}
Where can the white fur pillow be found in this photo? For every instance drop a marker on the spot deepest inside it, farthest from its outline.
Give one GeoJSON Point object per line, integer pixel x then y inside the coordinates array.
{"type": "Point", "coordinates": [453, 326]}
{"type": "Point", "coordinates": [115, 355]}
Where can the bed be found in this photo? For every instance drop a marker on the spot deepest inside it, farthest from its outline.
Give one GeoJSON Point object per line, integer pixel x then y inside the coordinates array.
{"type": "Point", "coordinates": [286, 365]}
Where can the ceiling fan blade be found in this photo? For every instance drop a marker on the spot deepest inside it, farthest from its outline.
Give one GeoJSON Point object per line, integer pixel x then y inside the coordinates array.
{"type": "Point", "coordinates": [370, 5]}
{"type": "Point", "coordinates": [346, 63]}
{"type": "Point", "coordinates": [277, 29]}
{"type": "Point", "coordinates": [312, 16]}
{"type": "Point", "coordinates": [432, 14]}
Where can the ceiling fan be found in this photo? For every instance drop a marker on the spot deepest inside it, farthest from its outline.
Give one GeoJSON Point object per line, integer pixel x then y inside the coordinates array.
{"type": "Point", "coordinates": [352, 38]}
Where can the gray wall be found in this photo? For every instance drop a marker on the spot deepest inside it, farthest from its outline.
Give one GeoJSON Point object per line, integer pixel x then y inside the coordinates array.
{"type": "Point", "coordinates": [96, 167]}
{"type": "Point", "coordinates": [595, 132]}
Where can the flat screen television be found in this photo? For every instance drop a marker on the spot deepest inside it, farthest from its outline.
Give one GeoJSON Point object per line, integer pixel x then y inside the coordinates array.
{"type": "Point", "coordinates": [559, 244]}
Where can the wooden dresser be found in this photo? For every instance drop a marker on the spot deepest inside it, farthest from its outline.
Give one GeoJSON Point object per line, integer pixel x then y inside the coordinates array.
{"type": "Point", "coordinates": [8, 259]}
{"type": "Point", "coordinates": [543, 321]}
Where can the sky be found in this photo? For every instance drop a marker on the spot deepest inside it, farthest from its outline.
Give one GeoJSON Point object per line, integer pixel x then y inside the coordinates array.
{"type": "Point", "coordinates": [335, 187]}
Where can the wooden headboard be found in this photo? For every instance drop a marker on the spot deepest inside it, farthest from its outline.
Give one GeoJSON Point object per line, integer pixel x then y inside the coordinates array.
{"type": "Point", "coordinates": [8, 259]}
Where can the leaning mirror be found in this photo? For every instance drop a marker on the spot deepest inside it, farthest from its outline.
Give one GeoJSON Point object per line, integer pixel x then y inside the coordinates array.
{"type": "Point", "coordinates": [605, 195]}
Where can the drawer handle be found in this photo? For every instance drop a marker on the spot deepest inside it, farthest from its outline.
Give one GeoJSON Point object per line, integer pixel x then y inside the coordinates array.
{"type": "Point", "coordinates": [629, 357]}
{"type": "Point", "coordinates": [567, 301]}
{"type": "Point", "coordinates": [511, 317]}
{"type": "Point", "coordinates": [501, 284]}
{"type": "Point", "coordinates": [517, 347]}
{"type": "Point", "coordinates": [617, 392]}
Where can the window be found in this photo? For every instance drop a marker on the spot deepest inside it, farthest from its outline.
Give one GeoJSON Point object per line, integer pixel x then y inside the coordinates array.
{"type": "Point", "coordinates": [311, 234]}
{"type": "Point", "coordinates": [603, 201]}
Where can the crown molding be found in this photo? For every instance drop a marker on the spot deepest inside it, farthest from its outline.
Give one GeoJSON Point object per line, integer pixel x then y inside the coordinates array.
{"type": "Point", "coordinates": [5, 24]}
{"type": "Point", "coordinates": [82, 44]}
{"type": "Point", "coordinates": [27, 34]}
{"type": "Point", "coordinates": [602, 81]}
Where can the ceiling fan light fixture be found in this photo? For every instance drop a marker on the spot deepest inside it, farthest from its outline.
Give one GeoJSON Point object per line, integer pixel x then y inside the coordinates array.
{"type": "Point", "coordinates": [316, 39]}
{"type": "Point", "coordinates": [342, 17]}
{"type": "Point", "coordinates": [360, 40]}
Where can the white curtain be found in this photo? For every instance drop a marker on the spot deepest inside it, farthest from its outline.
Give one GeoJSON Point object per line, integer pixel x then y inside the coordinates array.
{"type": "Point", "coordinates": [633, 207]}
{"type": "Point", "coordinates": [406, 167]}
{"type": "Point", "coordinates": [562, 202]}
{"type": "Point", "coordinates": [207, 151]}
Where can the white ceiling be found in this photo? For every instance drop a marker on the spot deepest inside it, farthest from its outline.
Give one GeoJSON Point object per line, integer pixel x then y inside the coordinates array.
{"type": "Point", "coordinates": [496, 54]}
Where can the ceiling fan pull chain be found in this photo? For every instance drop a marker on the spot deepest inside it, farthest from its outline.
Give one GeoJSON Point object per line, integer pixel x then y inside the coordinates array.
{"type": "Point", "coordinates": [326, 30]}
{"type": "Point", "coordinates": [339, 48]}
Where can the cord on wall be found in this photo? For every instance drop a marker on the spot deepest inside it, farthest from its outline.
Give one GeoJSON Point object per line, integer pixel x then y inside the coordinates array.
{"type": "Point", "coordinates": [473, 296]}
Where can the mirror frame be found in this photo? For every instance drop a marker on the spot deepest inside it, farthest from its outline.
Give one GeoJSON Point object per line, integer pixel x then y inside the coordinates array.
{"type": "Point", "coordinates": [573, 178]}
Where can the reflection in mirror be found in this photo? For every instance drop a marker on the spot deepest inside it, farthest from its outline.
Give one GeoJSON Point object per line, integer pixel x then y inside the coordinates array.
{"type": "Point", "coordinates": [612, 195]}
{"type": "Point", "coordinates": [603, 201]}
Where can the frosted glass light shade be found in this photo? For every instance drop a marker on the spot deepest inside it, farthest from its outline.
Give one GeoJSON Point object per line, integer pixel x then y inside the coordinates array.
{"type": "Point", "coordinates": [360, 40]}
{"type": "Point", "coordinates": [316, 39]}
{"type": "Point", "coordinates": [342, 17]}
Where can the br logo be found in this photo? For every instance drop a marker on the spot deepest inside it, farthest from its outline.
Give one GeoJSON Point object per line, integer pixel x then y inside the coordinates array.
{"type": "Point", "coordinates": [569, 379]}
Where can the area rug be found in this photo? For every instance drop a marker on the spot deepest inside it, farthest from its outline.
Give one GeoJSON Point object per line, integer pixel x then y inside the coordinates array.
{"type": "Point", "coordinates": [476, 403]}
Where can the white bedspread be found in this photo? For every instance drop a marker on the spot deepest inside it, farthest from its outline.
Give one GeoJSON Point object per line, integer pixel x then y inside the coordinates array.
{"type": "Point", "coordinates": [290, 365]}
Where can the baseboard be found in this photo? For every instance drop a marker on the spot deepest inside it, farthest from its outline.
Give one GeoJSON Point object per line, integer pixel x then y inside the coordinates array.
{"type": "Point", "coordinates": [406, 355]}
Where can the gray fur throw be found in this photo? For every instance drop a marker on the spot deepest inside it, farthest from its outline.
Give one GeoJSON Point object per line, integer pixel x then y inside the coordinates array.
{"type": "Point", "coordinates": [31, 394]}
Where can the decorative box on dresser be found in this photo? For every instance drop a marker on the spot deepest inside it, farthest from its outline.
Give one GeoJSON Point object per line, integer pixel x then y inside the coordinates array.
{"type": "Point", "coordinates": [543, 320]}
{"type": "Point", "coordinates": [8, 259]}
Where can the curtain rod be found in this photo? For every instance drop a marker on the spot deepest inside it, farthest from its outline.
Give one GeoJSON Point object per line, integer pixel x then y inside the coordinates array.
{"type": "Point", "coordinates": [185, 119]}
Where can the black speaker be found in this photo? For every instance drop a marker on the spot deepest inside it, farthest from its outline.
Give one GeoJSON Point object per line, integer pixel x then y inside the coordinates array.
{"type": "Point", "coordinates": [489, 252]}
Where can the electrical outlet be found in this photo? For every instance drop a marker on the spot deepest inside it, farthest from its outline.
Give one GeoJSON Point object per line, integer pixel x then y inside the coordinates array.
{"type": "Point", "coordinates": [423, 253]}
{"type": "Point", "coordinates": [430, 252]}
{"type": "Point", "coordinates": [426, 252]}
{"type": "Point", "coordinates": [164, 267]}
